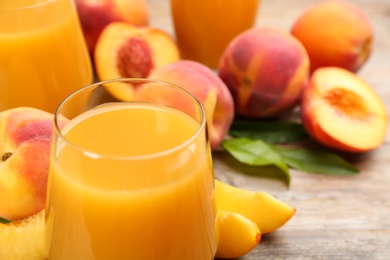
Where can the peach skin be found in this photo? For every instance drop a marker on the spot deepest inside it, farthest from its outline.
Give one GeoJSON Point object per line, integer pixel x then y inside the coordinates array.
{"type": "Point", "coordinates": [265, 69]}
{"type": "Point", "coordinates": [335, 33]}
{"type": "Point", "coordinates": [25, 135]}
{"type": "Point", "coordinates": [208, 88]}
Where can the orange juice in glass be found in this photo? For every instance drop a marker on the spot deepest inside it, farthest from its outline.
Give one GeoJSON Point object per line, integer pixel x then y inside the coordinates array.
{"type": "Point", "coordinates": [43, 56]}
{"type": "Point", "coordinates": [204, 28]}
{"type": "Point", "coordinates": [131, 180]}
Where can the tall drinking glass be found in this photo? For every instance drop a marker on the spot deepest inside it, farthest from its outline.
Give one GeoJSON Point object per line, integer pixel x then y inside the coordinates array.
{"type": "Point", "coordinates": [204, 28]}
{"type": "Point", "coordinates": [131, 180]}
{"type": "Point", "coordinates": [43, 56]}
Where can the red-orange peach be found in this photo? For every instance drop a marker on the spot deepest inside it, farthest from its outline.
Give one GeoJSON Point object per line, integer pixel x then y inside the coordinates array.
{"type": "Point", "coordinates": [126, 51]}
{"type": "Point", "coordinates": [25, 135]}
{"type": "Point", "coordinates": [208, 88]}
{"type": "Point", "coordinates": [94, 15]}
{"type": "Point", "coordinates": [342, 111]}
{"type": "Point", "coordinates": [265, 69]}
{"type": "Point", "coordinates": [335, 33]}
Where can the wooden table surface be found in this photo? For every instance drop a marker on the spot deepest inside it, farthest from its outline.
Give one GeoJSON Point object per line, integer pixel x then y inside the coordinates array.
{"type": "Point", "coordinates": [337, 217]}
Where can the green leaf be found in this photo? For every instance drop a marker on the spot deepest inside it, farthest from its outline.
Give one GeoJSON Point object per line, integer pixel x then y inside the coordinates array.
{"type": "Point", "coordinates": [255, 153]}
{"type": "Point", "coordinates": [316, 161]}
{"type": "Point", "coordinates": [269, 131]}
{"type": "Point", "coordinates": [2, 220]}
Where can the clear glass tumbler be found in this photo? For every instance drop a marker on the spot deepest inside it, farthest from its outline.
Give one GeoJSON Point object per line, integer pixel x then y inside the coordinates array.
{"type": "Point", "coordinates": [131, 180]}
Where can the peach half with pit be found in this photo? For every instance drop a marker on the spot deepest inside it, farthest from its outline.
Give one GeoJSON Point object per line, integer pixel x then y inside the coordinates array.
{"type": "Point", "coordinates": [335, 33]}
{"type": "Point", "coordinates": [25, 135]}
{"type": "Point", "coordinates": [207, 88]}
{"type": "Point", "coordinates": [265, 69]}
{"type": "Point", "coordinates": [127, 51]}
{"type": "Point", "coordinates": [342, 111]}
{"type": "Point", "coordinates": [95, 15]}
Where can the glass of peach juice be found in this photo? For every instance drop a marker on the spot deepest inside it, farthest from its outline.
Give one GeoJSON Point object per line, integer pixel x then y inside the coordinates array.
{"type": "Point", "coordinates": [131, 179]}
{"type": "Point", "coordinates": [204, 28]}
{"type": "Point", "coordinates": [43, 55]}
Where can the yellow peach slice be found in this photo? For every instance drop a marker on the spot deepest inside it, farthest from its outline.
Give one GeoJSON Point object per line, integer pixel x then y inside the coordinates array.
{"type": "Point", "coordinates": [23, 239]}
{"type": "Point", "coordinates": [237, 234]}
{"type": "Point", "coordinates": [268, 212]}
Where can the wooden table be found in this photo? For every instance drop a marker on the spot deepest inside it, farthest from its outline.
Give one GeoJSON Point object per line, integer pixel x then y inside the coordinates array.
{"type": "Point", "coordinates": [337, 217]}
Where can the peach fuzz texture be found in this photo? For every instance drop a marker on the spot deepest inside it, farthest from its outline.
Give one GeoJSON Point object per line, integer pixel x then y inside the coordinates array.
{"type": "Point", "coordinates": [335, 33]}
{"type": "Point", "coordinates": [265, 69]}
{"type": "Point", "coordinates": [26, 135]}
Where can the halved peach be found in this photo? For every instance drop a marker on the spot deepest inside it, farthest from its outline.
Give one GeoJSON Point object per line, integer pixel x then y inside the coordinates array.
{"type": "Point", "coordinates": [126, 51]}
{"type": "Point", "coordinates": [237, 234]}
{"type": "Point", "coordinates": [268, 212]}
{"type": "Point", "coordinates": [342, 111]}
{"type": "Point", "coordinates": [94, 15]}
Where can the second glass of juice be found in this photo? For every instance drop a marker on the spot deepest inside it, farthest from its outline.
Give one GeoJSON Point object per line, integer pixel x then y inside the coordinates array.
{"type": "Point", "coordinates": [204, 28]}
{"type": "Point", "coordinates": [131, 180]}
{"type": "Point", "coordinates": [43, 55]}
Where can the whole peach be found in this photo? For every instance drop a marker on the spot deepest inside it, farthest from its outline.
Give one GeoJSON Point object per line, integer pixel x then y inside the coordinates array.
{"type": "Point", "coordinates": [25, 135]}
{"type": "Point", "coordinates": [208, 88]}
{"type": "Point", "coordinates": [342, 111]}
{"type": "Point", "coordinates": [265, 69]}
{"type": "Point", "coordinates": [94, 15]}
{"type": "Point", "coordinates": [335, 33]}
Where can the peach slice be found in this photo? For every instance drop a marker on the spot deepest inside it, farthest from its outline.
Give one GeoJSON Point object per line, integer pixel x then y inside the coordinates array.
{"type": "Point", "coordinates": [342, 111]}
{"type": "Point", "coordinates": [266, 211]}
{"type": "Point", "coordinates": [335, 33]}
{"type": "Point", "coordinates": [23, 239]}
{"type": "Point", "coordinates": [237, 234]}
{"type": "Point", "coordinates": [265, 69]}
{"type": "Point", "coordinates": [127, 51]}
{"type": "Point", "coordinates": [94, 15]}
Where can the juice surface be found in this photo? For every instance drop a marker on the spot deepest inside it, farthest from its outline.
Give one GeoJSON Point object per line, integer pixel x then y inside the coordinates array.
{"type": "Point", "coordinates": [156, 204]}
{"type": "Point", "coordinates": [205, 27]}
{"type": "Point", "coordinates": [43, 57]}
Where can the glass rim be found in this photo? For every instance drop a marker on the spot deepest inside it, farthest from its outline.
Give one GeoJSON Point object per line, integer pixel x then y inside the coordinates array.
{"type": "Point", "coordinates": [87, 152]}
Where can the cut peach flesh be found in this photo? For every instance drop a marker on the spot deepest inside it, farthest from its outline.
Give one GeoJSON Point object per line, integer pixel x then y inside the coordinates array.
{"type": "Point", "coordinates": [357, 118]}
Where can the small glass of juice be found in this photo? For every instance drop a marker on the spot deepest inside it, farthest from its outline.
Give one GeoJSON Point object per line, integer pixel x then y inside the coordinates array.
{"type": "Point", "coordinates": [130, 179]}
{"type": "Point", "coordinates": [43, 55]}
{"type": "Point", "coordinates": [204, 28]}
